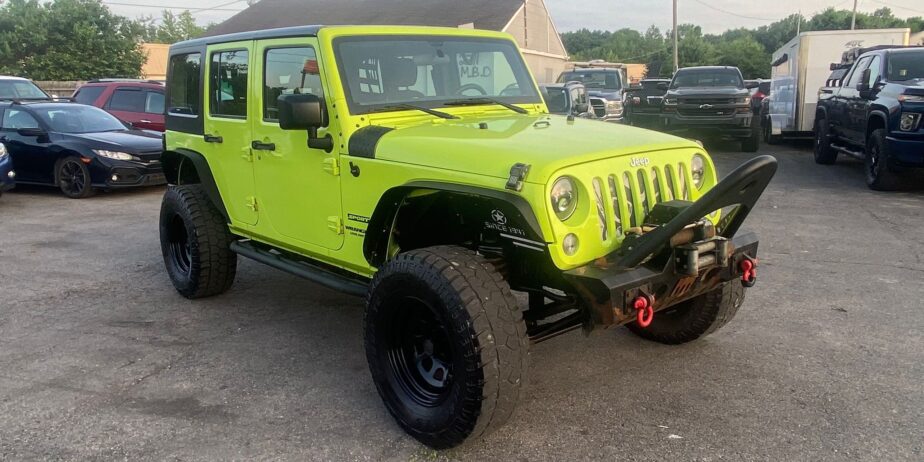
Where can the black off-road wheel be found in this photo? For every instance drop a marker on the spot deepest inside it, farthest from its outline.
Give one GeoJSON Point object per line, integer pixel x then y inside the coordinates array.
{"type": "Point", "coordinates": [195, 242]}
{"type": "Point", "coordinates": [880, 174]}
{"type": "Point", "coordinates": [73, 178]}
{"type": "Point", "coordinates": [694, 318]}
{"type": "Point", "coordinates": [751, 143]}
{"type": "Point", "coordinates": [824, 153]}
{"type": "Point", "coordinates": [446, 344]}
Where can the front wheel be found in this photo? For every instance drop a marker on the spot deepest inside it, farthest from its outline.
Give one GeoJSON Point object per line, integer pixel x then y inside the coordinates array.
{"type": "Point", "coordinates": [880, 175]}
{"type": "Point", "coordinates": [73, 178]}
{"type": "Point", "coordinates": [195, 242]}
{"type": "Point", "coordinates": [446, 344]}
{"type": "Point", "coordinates": [694, 318]}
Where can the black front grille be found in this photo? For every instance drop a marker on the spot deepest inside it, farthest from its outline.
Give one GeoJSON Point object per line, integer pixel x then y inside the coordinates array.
{"type": "Point", "coordinates": [706, 100]}
{"type": "Point", "coordinates": [705, 111]}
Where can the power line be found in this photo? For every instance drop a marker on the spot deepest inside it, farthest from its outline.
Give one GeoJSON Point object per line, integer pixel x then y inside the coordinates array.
{"type": "Point", "coordinates": [165, 7]}
{"type": "Point", "coordinates": [898, 6]}
{"type": "Point", "coordinates": [731, 12]}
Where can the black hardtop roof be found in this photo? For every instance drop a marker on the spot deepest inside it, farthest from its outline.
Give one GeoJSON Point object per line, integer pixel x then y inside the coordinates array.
{"type": "Point", "coordinates": [282, 32]}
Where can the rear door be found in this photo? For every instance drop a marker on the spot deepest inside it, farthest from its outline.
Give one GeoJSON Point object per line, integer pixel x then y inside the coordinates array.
{"type": "Point", "coordinates": [227, 127]}
{"type": "Point", "coordinates": [153, 117]}
{"type": "Point", "coordinates": [127, 103]}
{"type": "Point", "coordinates": [298, 187]}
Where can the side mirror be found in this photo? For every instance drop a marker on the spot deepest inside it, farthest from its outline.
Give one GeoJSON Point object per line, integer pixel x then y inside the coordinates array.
{"type": "Point", "coordinates": [305, 112]}
{"type": "Point", "coordinates": [863, 84]}
{"type": "Point", "coordinates": [31, 132]}
{"type": "Point", "coordinates": [751, 85]}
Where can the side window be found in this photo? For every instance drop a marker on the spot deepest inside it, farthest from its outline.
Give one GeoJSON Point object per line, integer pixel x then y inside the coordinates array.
{"type": "Point", "coordinates": [154, 102]}
{"type": "Point", "coordinates": [288, 71]}
{"type": "Point", "coordinates": [875, 68]}
{"type": "Point", "coordinates": [127, 99]}
{"type": "Point", "coordinates": [228, 84]}
{"type": "Point", "coordinates": [185, 85]}
{"type": "Point", "coordinates": [14, 119]}
{"type": "Point", "coordinates": [88, 95]}
{"type": "Point", "coordinates": [857, 73]}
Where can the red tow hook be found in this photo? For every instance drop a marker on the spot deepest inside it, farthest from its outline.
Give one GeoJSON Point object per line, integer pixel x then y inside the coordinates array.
{"type": "Point", "coordinates": [748, 271]}
{"type": "Point", "coordinates": [644, 305]}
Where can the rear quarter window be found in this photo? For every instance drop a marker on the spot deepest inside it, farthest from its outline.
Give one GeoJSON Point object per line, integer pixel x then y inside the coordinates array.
{"type": "Point", "coordinates": [88, 95]}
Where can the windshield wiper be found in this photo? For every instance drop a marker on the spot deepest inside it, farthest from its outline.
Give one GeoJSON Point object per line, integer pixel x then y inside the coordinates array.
{"type": "Point", "coordinates": [392, 107]}
{"type": "Point", "coordinates": [481, 100]}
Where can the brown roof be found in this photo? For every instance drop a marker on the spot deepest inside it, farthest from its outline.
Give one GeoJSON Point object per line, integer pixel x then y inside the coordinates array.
{"type": "Point", "coordinates": [269, 14]}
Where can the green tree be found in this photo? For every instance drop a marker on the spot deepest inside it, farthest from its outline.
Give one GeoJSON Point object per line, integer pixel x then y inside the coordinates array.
{"type": "Point", "coordinates": [745, 53]}
{"type": "Point", "coordinates": [171, 28]}
{"type": "Point", "coordinates": [67, 40]}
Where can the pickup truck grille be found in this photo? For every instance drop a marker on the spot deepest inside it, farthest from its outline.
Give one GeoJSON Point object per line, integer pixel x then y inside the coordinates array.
{"type": "Point", "coordinates": [706, 107]}
{"type": "Point", "coordinates": [625, 198]}
{"type": "Point", "coordinates": [713, 101]}
{"type": "Point", "coordinates": [599, 107]}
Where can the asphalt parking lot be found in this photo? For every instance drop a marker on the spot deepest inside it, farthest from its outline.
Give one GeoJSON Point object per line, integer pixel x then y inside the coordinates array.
{"type": "Point", "coordinates": [101, 359]}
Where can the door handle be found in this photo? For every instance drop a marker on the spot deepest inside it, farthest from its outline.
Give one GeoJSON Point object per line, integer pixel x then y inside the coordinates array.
{"type": "Point", "coordinates": [145, 121]}
{"type": "Point", "coordinates": [212, 139]}
{"type": "Point", "coordinates": [260, 146]}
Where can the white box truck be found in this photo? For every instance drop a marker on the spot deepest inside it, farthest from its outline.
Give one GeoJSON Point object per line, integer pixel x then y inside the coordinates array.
{"type": "Point", "coordinates": [801, 67]}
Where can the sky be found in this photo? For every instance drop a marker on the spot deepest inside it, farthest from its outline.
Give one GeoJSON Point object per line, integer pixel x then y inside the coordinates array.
{"type": "Point", "coordinates": [714, 16]}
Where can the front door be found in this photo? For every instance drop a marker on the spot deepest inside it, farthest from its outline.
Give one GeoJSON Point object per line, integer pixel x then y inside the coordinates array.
{"type": "Point", "coordinates": [32, 160]}
{"type": "Point", "coordinates": [227, 128]}
{"type": "Point", "coordinates": [298, 187]}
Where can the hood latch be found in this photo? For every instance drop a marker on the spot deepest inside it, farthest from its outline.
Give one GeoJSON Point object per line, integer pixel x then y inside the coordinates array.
{"type": "Point", "coordinates": [517, 174]}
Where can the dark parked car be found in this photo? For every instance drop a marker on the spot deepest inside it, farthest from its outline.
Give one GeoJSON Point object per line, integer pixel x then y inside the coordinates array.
{"type": "Point", "coordinates": [605, 87]}
{"type": "Point", "coordinates": [77, 148]}
{"type": "Point", "coordinates": [711, 101]}
{"type": "Point", "coordinates": [874, 114]}
{"type": "Point", "coordinates": [137, 102]}
{"type": "Point", "coordinates": [569, 99]}
{"type": "Point", "coordinates": [643, 102]}
{"type": "Point", "coordinates": [19, 89]}
{"type": "Point", "coordinates": [7, 175]}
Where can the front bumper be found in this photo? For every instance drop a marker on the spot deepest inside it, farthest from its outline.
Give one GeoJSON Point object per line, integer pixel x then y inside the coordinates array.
{"type": "Point", "coordinates": [610, 292]}
{"type": "Point", "coordinates": [131, 175]}
{"type": "Point", "coordinates": [736, 126]}
{"type": "Point", "coordinates": [680, 255]}
{"type": "Point", "coordinates": [907, 150]}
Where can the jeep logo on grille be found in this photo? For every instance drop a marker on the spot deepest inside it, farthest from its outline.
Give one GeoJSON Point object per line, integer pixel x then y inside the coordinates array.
{"type": "Point", "coordinates": [639, 161]}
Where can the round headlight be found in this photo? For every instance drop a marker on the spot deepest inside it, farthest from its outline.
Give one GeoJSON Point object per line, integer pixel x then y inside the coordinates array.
{"type": "Point", "coordinates": [3, 152]}
{"type": "Point", "coordinates": [698, 170]}
{"type": "Point", "coordinates": [570, 244]}
{"type": "Point", "coordinates": [564, 197]}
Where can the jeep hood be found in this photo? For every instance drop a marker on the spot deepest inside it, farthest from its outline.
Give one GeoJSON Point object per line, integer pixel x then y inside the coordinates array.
{"type": "Point", "coordinates": [492, 145]}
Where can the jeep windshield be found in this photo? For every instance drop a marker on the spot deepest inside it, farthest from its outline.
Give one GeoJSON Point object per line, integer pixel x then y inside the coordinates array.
{"type": "Point", "coordinates": [606, 80]}
{"type": "Point", "coordinates": [707, 78]}
{"type": "Point", "coordinates": [905, 65]}
{"type": "Point", "coordinates": [381, 73]}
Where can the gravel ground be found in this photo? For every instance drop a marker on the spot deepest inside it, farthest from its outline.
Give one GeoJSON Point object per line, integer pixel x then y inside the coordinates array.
{"type": "Point", "coordinates": [101, 359]}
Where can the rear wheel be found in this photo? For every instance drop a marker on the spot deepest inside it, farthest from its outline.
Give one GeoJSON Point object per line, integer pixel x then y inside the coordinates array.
{"type": "Point", "coordinates": [195, 242]}
{"type": "Point", "coordinates": [824, 153]}
{"type": "Point", "coordinates": [880, 174]}
{"type": "Point", "coordinates": [769, 137]}
{"type": "Point", "coordinates": [446, 344]}
{"type": "Point", "coordinates": [694, 318]}
{"type": "Point", "coordinates": [73, 178]}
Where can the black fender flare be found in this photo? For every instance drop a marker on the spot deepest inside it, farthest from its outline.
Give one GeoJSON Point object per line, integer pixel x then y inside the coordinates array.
{"type": "Point", "coordinates": [515, 209]}
{"type": "Point", "coordinates": [820, 110]}
{"type": "Point", "coordinates": [877, 113]}
{"type": "Point", "coordinates": [175, 161]}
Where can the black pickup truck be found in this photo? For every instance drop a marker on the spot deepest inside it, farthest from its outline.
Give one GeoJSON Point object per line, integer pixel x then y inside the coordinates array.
{"type": "Point", "coordinates": [710, 101]}
{"type": "Point", "coordinates": [873, 112]}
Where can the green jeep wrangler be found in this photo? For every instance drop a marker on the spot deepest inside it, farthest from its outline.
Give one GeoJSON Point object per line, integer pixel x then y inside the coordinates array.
{"type": "Point", "coordinates": [419, 168]}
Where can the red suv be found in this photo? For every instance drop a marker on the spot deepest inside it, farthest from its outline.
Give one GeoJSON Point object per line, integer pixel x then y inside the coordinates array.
{"type": "Point", "coordinates": [137, 102]}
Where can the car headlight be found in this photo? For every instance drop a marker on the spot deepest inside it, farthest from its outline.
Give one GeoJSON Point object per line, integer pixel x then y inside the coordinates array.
{"type": "Point", "coordinates": [614, 107]}
{"type": "Point", "coordinates": [564, 197]}
{"type": "Point", "coordinates": [909, 121]}
{"type": "Point", "coordinates": [698, 170]}
{"type": "Point", "coordinates": [670, 101]}
{"type": "Point", "coordinates": [3, 151]}
{"type": "Point", "coordinates": [117, 155]}
{"type": "Point", "coordinates": [743, 100]}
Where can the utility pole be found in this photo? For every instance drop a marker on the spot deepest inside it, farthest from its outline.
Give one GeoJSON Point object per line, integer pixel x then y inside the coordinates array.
{"type": "Point", "coordinates": [676, 51]}
{"type": "Point", "coordinates": [853, 19]}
